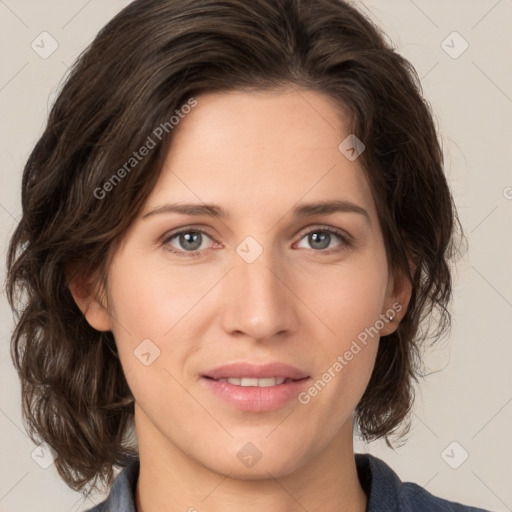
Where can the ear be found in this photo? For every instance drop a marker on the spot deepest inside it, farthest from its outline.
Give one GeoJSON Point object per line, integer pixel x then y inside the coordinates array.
{"type": "Point", "coordinates": [90, 304]}
{"type": "Point", "coordinates": [398, 295]}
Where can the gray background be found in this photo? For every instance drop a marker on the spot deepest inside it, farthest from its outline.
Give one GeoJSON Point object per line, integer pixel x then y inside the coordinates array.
{"type": "Point", "coordinates": [464, 407]}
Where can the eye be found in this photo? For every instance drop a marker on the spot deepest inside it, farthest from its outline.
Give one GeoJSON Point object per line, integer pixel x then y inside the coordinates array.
{"type": "Point", "coordinates": [191, 242]}
{"type": "Point", "coordinates": [322, 238]}
{"type": "Point", "coordinates": [187, 242]}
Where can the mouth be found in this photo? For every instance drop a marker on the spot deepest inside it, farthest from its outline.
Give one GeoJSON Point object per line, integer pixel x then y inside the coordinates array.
{"type": "Point", "coordinates": [256, 388]}
{"type": "Point", "coordinates": [246, 382]}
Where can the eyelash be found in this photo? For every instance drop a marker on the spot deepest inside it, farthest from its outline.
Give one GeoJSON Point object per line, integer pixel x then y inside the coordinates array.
{"type": "Point", "coordinates": [346, 241]}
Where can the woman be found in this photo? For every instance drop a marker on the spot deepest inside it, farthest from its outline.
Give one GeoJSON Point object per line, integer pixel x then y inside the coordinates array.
{"type": "Point", "coordinates": [232, 226]}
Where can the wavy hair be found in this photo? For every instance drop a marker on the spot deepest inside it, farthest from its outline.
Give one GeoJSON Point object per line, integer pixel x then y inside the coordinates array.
{"type": "Point", "coordinates": [143, 66]}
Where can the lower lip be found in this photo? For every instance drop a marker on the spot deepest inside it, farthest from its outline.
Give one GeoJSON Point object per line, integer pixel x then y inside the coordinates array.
{"type": "Point", "coordinates": [252, 398]}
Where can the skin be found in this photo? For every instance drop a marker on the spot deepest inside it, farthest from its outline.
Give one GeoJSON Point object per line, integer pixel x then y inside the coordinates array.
{"type": "Point", "coordinates": [257, 155]}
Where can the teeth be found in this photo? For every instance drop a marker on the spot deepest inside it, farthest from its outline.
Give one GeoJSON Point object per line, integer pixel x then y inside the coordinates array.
{"type": "Point", "coordinates": [245, 381]}
{"type": "Point", "coordinates": [249, 381]}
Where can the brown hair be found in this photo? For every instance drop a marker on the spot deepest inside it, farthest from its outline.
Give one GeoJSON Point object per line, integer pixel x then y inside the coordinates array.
{"type": "Point", "coordinates": [142, 67]}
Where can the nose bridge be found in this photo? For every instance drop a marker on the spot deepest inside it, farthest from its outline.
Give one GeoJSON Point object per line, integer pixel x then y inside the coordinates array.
{"type": "Point", "coordinates": [257, 302]}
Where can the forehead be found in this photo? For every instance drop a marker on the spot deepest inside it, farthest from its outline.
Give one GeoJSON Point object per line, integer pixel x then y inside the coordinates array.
{"type": "Point", "coordinates": [266, 122]}
{"type": "Point", "coordinates": [261, 152]}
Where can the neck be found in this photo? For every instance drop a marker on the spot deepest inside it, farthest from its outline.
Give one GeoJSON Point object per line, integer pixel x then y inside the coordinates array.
{"type": "Point", "coordinates": [171, 480]}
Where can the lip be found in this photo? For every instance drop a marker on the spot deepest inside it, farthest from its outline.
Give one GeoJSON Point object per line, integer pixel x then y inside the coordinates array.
{"type": "Point", "coordinates": [256, 371]}
{"type": "Point", "coordinates": [252, 398]}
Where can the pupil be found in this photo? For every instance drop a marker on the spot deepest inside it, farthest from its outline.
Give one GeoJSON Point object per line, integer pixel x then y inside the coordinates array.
{"type": "Point", "coordinates": [321, 238]}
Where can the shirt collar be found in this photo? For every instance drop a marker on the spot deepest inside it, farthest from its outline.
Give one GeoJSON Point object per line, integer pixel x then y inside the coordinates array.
{"type": "Point", "coordinates": [380, 483]}
{"type": "Point", "coordinates": [122, 492]}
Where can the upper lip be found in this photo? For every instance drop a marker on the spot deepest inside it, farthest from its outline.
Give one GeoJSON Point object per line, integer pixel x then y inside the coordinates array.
{"type": "Point", "coordinates": [257, 371]}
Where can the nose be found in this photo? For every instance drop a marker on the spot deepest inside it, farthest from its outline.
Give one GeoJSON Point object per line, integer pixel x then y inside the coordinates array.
{"type": "Point", "coordinates": [258, 301]}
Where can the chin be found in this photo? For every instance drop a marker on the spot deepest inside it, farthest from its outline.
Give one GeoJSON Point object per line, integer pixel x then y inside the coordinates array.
{"type": "Point", "coordinates": [253, 460]}
{"type": "Point", "coordinates": [262, 470]}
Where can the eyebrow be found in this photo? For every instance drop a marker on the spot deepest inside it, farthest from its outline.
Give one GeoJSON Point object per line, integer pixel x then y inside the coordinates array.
{"type": "Point", "coordinates": [303, 210]}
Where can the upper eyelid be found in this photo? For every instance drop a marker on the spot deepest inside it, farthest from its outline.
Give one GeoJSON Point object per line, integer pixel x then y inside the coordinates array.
{"type": "Point", "coordinates": [320, 227]}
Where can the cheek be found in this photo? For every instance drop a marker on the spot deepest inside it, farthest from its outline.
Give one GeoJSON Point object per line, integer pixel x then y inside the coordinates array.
{"type": "Point", "coordinates": [150, 300]}
{"type": "Point", "coordinates": [155, 322]}
{"type": "Point", "coordinates": [348, 352]}
{"type": "Point", "coordinates": [347, 298]}
{"type": "Point", "coordinates": [149, 307]}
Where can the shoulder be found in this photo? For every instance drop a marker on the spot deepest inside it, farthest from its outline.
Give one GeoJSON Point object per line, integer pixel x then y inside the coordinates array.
{"type": "Point", "coordinates": [386, 492]}
{"type": "Point", "coordinates": [416, 496]}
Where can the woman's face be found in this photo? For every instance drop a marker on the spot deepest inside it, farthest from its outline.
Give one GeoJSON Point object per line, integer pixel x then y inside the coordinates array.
{"type": "Point", "coordinates": [253, 285]}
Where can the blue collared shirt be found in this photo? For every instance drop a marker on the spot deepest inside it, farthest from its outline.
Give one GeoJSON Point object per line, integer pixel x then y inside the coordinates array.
{"type": "Point", "coordinates": [385, 491]}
